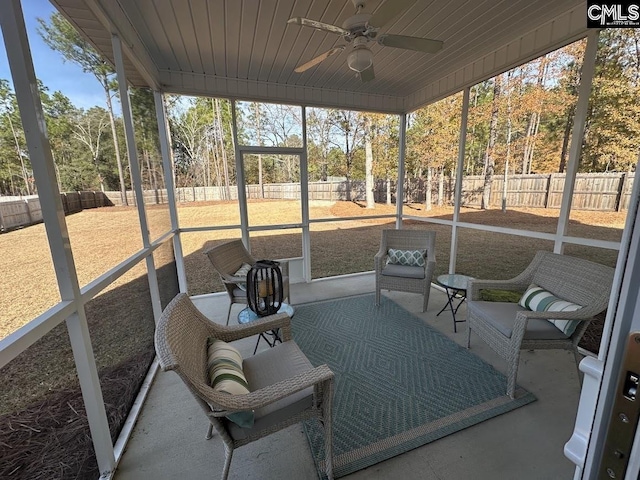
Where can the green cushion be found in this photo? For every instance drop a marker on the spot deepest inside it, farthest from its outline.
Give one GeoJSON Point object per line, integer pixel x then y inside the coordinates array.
{"type": "Point", "coordinates": [539, 300]}
{"type": "Point", "coordinates": [410, 258]}
{"type": "Point", "coordinates": [224, 370]}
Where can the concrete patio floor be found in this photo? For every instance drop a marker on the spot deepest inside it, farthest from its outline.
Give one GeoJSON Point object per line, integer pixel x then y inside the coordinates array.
{"type": "Point", "coordinates": [168, 441]}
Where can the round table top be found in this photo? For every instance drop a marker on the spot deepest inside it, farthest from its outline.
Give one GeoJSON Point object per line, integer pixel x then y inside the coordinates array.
{"type": "Point", "coordinates": [247, 315]}
{"type": "Point", "coordinates": [454, 280]}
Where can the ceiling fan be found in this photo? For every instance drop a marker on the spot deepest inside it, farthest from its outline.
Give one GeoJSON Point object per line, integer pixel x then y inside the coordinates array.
{"type": "Point", "coordinates": [362, 28]}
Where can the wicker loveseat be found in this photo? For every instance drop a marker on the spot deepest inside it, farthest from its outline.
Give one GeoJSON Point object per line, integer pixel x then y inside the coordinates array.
{"type": "Point", "coordinates": [508, 327]}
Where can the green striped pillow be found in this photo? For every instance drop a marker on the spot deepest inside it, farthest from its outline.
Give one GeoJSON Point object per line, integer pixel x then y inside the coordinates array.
{"type": "Point", "coordinates": [224, 372]}
{"type": "Point", "coordinates": [539, 300]}
{"type": "Point", "coordinates": [411, 258]}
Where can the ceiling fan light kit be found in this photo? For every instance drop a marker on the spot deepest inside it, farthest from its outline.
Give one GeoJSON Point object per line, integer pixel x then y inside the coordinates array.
{"type": "Point", "coordinates": [360, 58]}
{"type": "Point", "coordinates": [361, 28]}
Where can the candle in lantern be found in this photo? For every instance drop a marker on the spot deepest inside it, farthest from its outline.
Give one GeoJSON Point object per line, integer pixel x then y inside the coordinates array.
{"type": "Point", "coordinates": [262, 288]}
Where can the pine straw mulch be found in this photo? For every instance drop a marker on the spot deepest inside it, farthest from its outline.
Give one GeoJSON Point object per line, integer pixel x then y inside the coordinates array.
{"type": "Point", "coordinates": [51, 440]}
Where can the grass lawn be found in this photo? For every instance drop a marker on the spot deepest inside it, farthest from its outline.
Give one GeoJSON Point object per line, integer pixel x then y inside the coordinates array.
{"type": "Point", "coordinates": [43, 378]}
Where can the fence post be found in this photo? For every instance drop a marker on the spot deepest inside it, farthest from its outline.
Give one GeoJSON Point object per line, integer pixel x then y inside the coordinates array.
{"type": "Point", "coordinates": [26, 205]}
{"type": "Point", "coordinates": [621, 190]}
{"type": "Point", "coordinates": [548, 192]}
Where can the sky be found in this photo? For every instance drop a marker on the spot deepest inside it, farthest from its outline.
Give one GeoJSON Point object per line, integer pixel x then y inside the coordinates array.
{"type": "Point", "coordinates": [82, 88]}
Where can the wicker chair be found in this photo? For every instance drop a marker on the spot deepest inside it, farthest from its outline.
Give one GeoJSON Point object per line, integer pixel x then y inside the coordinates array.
{"type": "Point", "coordinates": [227, 258]}
{"type": "Point", "coordinates": [508, 328]}
{"type": "Point", "coordinates": [406, 278]}
{"type": "Point", "coordinates": [284, 387]}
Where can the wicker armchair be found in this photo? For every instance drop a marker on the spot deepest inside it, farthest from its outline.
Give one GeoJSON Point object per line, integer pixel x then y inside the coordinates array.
{"type": "Point", "coordinates": [227, 258]}
{"type": "Point", "coordinates": [284, 387]}
{"type": "Point", "coordinates": [508, 328]}
{"type": "Point", "coordinates": [406, 278]}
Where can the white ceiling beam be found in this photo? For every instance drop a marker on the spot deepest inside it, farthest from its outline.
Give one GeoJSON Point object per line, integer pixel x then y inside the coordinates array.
{"type": "Point", "coordinates": [187, 83]}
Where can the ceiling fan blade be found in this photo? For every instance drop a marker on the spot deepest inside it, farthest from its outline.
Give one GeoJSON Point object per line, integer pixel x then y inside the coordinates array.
{"type": "Point", "coordinates": [318, 59]}
{"type": "Point", "coordinates": [367, 75]}
{"type": "Point", "coordinates": [425, 45]}
{"type": "Point", "coordinates": [388, 10]}
{"type": "Point", "coordinates": [305, 22]}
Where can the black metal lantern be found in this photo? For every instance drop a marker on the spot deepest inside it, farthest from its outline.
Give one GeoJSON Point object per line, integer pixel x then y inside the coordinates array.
{"type": "Point", "coordinates": [264, 288]}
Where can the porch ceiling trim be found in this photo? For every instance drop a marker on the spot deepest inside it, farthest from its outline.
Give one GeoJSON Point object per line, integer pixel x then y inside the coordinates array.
{"type": "Point", "coordinates": [188, 83]}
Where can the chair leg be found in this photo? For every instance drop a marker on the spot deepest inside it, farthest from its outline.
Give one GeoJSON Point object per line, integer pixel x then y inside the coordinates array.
{"type": "Point", "coordinates": [578, 359]}
{"type": "Point", "coordinates": [425, 301]}
{"type": "Point", "coordinates": [512, 374]}
{"type": "Point", "coordinates": [209, 432]}
{"type": "Point", "coordinates": [328, 429]}
{"type": "Point", "coordinates": [377, 296]}
{"type": "Point", "coordinates": [468, 334]}
{"type": "Point", "coordinates": [229, 312]}
{"type": "Point", "coordinates": [228, 454]}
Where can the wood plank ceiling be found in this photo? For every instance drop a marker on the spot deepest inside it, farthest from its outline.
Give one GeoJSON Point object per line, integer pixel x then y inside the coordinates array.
{"type": "Point", "coordinates": [246, 49]}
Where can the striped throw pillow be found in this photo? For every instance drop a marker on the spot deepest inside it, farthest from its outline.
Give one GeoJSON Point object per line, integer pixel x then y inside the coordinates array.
{"type": "Point", "coordinates": [539, 300]}
{"type": "Point", "coordinates": [224, 370]}
{"type": "Point", "coordinates": [242, 272]}
{"type": "Point", "coordinates": [411, 258]}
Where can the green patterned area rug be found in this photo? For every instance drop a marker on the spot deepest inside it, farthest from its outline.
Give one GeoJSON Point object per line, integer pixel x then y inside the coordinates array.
{"type": "Point", "coordinates": [399, 384]}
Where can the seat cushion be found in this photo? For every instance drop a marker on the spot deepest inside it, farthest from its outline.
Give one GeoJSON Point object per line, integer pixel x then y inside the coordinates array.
{"type": "Point", "coordinates": [266, 368]}
{"type": "Point", "coordinates": [403, 271]}
{"type": "Point", "coordinates": [502, 316]}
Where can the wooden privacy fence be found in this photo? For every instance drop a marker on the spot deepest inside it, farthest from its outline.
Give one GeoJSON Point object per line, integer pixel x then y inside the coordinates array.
{"type": "Point", "coordinates": [16, 213]}
{"type": "Point", "coordinates": [592, 191]}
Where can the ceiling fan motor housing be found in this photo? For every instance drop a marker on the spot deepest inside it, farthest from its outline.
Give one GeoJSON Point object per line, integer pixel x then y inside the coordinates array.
{"type": "Point", "coordinates": [358, 25]}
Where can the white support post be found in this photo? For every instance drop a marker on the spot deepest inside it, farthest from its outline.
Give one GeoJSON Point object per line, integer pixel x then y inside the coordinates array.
{"type": "Point", "coordinates": [577, 136]}
{"type": "Point", "coordinates": [457, 196]}
{"type": "Point", "coordinates": [242, 193]}
{"type": "Point", "coordinates": [26, 88]}
{"type": "Point", "coordinates": [401, 157]}
{"type": "Point", "coordinates": [304, 197]}
{"type": "Point", "coordinates": [167, 163]}
{"type": "Point", "coordinates": [136, 178]}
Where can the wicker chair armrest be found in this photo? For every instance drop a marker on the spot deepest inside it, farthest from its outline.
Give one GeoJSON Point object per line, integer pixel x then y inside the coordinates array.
{"type": "Point", "coordinates": [430, 266]}
{"type": "Point", "coordinates": [284, 267]}
{"type": "Point", "coordinates": [227, 278]}
{"type": "Point", "coordinates": [475, 286]}
{"type": "Point", "coordinates": [272, 393]}
{"type": "Point", "coordinates": [379, 260]}
{"type": "Point", "coordinates": [232, 280]}
{"type": "Point", "coordinates": [575, 315]}
{"type": "Point", "coordinates": [272, 322]}
{"type": "Point", "coordinates": [431, 255]}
